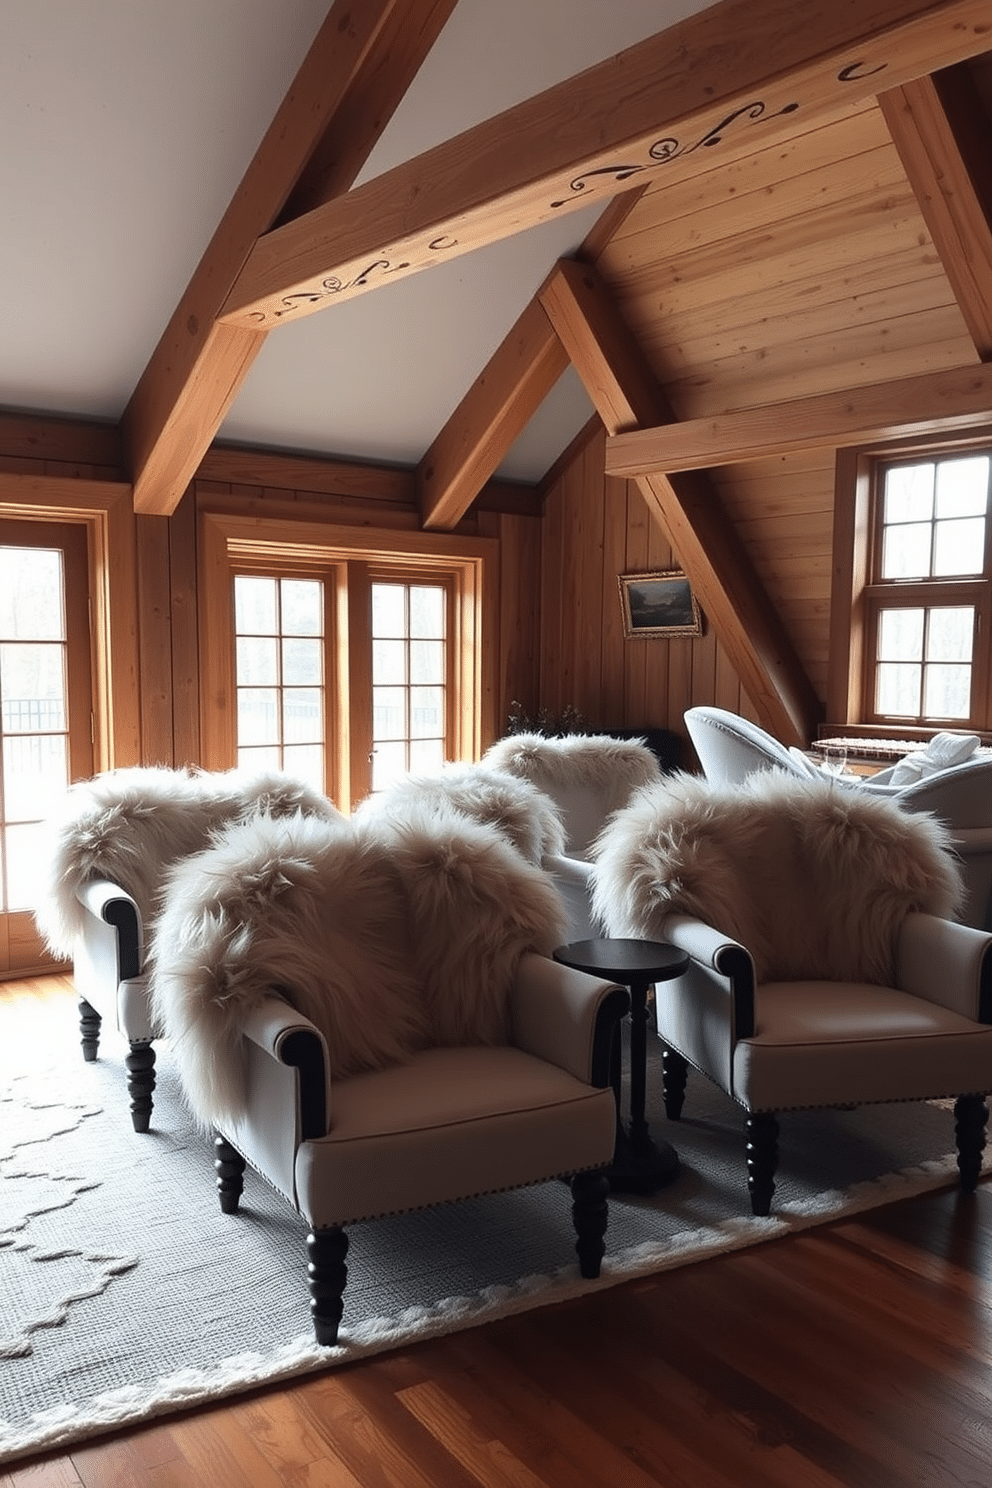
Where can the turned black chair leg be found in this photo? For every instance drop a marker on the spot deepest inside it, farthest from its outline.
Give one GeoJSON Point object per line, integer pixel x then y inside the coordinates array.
{"type": "Point", "coordinates": [590, 1215]}
{"type": "Point", "coordinates": [140, 1083]}
{"type": "Point", "coordinates": [971, 1115]}
{"type": "Point", "coordinates": [674, 1071]}
{"type": "Point", "coordinates": [229, 1166]}
{"type": "Point", "coordinates": [89, 1029]}
{"type": "Point", "coordinates": [327, 1275]}
{"type": "Point", "coordinates": [761, 1140]}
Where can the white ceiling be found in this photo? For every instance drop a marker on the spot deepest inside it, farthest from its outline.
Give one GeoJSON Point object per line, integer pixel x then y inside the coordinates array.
{"type": "Point", "coordinates": [125, 127]}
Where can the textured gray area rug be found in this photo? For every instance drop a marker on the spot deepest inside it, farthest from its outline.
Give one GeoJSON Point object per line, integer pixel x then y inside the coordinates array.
{"type": "Point", "coordinates": [125, 1293]}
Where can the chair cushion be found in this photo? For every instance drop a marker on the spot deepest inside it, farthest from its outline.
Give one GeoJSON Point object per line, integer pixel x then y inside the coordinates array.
{"type": "Point", "coordinates": [856, 1042]}
{"type": "Point", "coordinates": [449, 1124]}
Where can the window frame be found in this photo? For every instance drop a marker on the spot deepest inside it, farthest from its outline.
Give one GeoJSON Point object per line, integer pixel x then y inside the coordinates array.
{"type": "Point", "coordinates": [856, 597]}
{"type": "Point", "coordinates": [230, 543]}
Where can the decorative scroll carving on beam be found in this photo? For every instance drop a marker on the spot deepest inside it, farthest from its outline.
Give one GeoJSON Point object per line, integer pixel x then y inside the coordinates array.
{"type": "Point", "coordinates": [661, 106]}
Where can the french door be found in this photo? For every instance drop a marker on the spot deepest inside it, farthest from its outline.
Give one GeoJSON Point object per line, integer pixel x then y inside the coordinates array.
{"type": "Point", "coordinates": [45, 711]}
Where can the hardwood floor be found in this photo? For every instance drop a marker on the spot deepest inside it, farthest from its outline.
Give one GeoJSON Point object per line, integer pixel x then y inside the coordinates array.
{"type": "Point", "coordinates": [857, 1354]}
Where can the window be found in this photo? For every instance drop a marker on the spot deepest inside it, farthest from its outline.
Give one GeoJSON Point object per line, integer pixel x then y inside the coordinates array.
{"type": "Point", "coordinates": [279, 671]}
{"type": "Point", "coordinates": [409, 679]}
{"type": "Point", "coordinates": [44, 709]}
{"type": "Point", "coordinates": [349, 661]}
{"type": "Point", "coordinates": [928, 596]}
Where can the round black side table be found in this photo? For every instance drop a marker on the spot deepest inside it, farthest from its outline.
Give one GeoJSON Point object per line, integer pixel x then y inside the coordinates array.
{"type": "Point", "coordinates": [640, 1165]}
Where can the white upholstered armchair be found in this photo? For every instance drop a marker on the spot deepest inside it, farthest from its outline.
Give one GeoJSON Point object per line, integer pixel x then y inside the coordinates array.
{"type": "Point", "coordinates": [111, 843]}
{"type": "Point", "coordinates": [588, 777]}
{"type": "Point", "coordinates": [365, 1012]}
{"type": "Point", "coordinates": [826, 969]}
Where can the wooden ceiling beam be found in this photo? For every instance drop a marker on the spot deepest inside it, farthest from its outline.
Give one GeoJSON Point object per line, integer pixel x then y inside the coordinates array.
{"type": "Point", "coordinates": [903, 408]}
{"type": "Point", "coordinates": [941, 130]}
{"type": "Point", "coordinates": [671, 104]}
{"type": "Point", "coordinates": [355, 73]}
{"type": "Point", "coordinates": [496, 408]}
{"type": "Point", "coordinates": [623, 389]}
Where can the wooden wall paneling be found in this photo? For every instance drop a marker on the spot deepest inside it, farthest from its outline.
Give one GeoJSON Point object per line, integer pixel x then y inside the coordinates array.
{"type": "Point", "coordinates": [824, 143]}
{"type": "Point", "coordinates": [641, 526]}
{"type": "Point", "coordinates": [613, 649]}
{"type": "Point", "coordinates": [816, 246]}
{"type": "Point", "coordinates": [587, 566]}
{"type": "Point", "coordinates": [155, 639]}
{"type": "Point", "coordinates": [518, 638]}
{"type": "Point", "coordinates": [570, 595]}
{"type": "Point", "coordinates": [185, 632]}
{"type": "Point", "coordinates": [759, 207]}
{"type": "Point", "coordinates": [215, 623]}
{"type": "Point", "coordinates": [663, 674]}
{"type": "Point", "coordinates": [62, 446]}
{"type": "Point", "coordinates": [552, 567]}
{"type": "Point", "coordinates": [751, 323]}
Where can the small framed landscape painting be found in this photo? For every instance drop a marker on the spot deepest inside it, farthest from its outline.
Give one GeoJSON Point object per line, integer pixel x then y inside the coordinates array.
{"type": "Point", "coordinates": [659, 604]}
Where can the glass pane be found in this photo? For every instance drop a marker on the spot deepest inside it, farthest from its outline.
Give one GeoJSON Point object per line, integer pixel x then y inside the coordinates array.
{"type": "Point", "coordinates": [35, 771]}
{"type": "Point", "coordinates": [258, 661]}
{"type": "Point", "coordinates": [31, 594]}
{"type": "Point", "coordinates": [950, 634]}
{"type": "Point", "coordinates": [900, 635]}
{"type": "Point", "coordinates": [255, 608]}
{"type": "Point", "coordinates": [906, 551]}
{"type": "Point", "coordinates": [959, 546]}
{"type": "Point", "coordinates": [426, 712]}
{"type": "Point", "coordinates": [426, 756]}
{"type": "Point", "coordinates": [258, 715]}
{"type": "Point", "coordinates": [388, 765]}
{"type": "Point", "coordinates": [303, 715]}
{"type": "Point", "coordinates": [32, 686]}
{"type": "Point", "coordinates": [388, 712]}
{"type": "Point", "coordinates": [897, 689]}
{"type": "Point", "coordinates": [963, 487]}
{"type": "Point", "coordinates": [427, 661]}
{"type": "Point", "coordinates": [388, 610]}
{"type": "Point", "coordinates": [302, 663]}
{"type": "Point", "coordinates": [947, 692]}
{"type": "Point", "coordinates": [306, 762]}
{"type": "Point", "coordinates": [302, 607]}
{"type": "Point", "coordinates": [427, 611]}
{"type": "Point", "coordinates": [389, 663]}
{"type": "Point", "coordinates": [25, 857]}
{"type": "Point", "coordinates": [264, 758]}
{"type": "Point", "coordinates": [909, 493]}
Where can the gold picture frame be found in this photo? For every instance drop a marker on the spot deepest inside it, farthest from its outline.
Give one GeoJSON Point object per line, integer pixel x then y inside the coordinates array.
{"type": "Point", "coordinates": [659, 604]}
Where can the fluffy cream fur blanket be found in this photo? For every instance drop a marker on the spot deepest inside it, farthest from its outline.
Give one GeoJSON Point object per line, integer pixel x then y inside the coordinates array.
{"type": "Point", "coordinates": [131, 825]}
{"type": "Point", "coordinates": [528, 818]}
{"type": "Point", "coordinates": [612, 767]}
{"type": "Point", "coordinates": [813, 879]}
{"type": "Point", "coordinates": [389, 934]}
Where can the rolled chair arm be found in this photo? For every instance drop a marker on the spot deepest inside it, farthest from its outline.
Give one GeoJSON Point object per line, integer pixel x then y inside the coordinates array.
{"type": "Point", "coordinates": [573, 880]}
{"type": "Point", "coordinates": [947, 964]}
{"type": "Point", "coordinates": [114, 906]}
{"type": "Point", "coordinates": [292, 1040]}
{"type": "Point", "coordinates": [566, 1017]}
{"type": "Point", "coordinates": [717, 953]}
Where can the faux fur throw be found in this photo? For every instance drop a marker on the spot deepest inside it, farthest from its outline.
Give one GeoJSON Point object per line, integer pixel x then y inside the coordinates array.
{"type": "Point", "coordinates": [131, 825]}
{"type": "Point", "coordinates": [389, 935]}
{"type": "Point", "coordinates": [588, 775]}
{"type": "Point", "coordinates": [528, 818]}
{"type": "Point", "coordinates": [813, 879]}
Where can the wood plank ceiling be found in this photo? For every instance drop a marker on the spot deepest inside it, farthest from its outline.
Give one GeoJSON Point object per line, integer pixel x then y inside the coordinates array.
{"type": "Point", "coordinates": [799, 257]}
